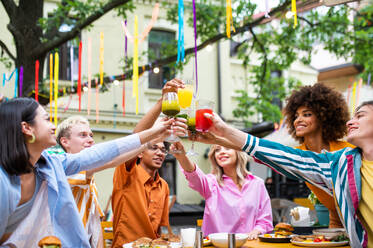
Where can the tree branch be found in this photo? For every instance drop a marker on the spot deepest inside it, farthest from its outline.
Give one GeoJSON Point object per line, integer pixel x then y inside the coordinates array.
{"type": "Point", "coordinates": [10, 7]}
{"type": "Point", "coordinates": [64, 37]}
{"type": "Point", "coordinates": [5, 48]}
{"type": "Point", "coordinates": [53, 32]}
{"type": "Point", "coordinates": [172, 58]}
{"type": "Point", "coordinates": [346, 34]}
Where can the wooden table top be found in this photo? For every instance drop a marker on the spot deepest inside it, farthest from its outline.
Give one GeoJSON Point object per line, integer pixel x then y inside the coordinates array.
{"type": "Point", "coordinates": [258, 244]}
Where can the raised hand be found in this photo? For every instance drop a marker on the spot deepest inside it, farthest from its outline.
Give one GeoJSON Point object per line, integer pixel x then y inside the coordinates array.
{"type": "Point", "coordinates": [163, 127]}
{"type": "Point", "coordinates": [207, 138]}
{"type": "Point", "coordinates": [172, 85]}
{"type": "Point", "coordinates": [178, 147]}
{"type": "Point", "coordinates": [180, 127]}
{"type": "Point", "coordinates": [218, 125]}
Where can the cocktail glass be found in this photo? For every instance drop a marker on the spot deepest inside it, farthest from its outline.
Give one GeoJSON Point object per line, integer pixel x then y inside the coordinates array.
{"type": "Point", "coordinates": [171, 107]}
{"type": "Point", "coordinates": [203, 106]}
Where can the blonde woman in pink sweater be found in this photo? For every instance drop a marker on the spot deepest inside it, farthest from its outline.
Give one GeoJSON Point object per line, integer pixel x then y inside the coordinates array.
{"type": "Point", "coordinates": [236, 200]}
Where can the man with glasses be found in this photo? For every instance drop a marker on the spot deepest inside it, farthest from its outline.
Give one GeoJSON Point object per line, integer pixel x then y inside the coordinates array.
{"type": "Point", "coordinates": [140, 196]}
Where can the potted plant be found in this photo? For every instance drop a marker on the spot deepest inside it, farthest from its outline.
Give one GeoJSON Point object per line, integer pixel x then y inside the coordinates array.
{"type": "Point", "coordinates": [322, 212]}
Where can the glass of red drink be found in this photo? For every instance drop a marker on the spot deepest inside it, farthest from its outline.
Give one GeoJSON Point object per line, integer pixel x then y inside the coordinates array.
{"type": "Point", "coordinates": [203, 106]}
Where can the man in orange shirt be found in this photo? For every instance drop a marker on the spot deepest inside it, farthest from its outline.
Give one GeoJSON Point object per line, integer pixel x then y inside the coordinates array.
{"type": "Point", "coordinates": [140, 196]}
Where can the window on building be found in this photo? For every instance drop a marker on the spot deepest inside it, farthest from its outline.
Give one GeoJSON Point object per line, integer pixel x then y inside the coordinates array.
{"type": "Point", "coordinates": [158, 40]}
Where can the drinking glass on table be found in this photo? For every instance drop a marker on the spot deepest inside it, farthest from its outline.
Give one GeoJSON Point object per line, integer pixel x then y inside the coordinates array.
{"type": "Point", "coordinates": [188, 236]}
{"type": "Point", "coordinates": [171, 107]}
{"type": "Point", "coordinates": [203, 106]}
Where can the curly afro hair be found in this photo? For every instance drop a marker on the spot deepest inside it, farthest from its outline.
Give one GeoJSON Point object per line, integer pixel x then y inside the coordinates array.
{"type": "Point", "coordinates": [327, 104]}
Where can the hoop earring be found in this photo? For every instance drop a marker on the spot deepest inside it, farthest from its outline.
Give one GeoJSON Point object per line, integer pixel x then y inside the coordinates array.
{"type": "Point", "coordinates": [32, 140]}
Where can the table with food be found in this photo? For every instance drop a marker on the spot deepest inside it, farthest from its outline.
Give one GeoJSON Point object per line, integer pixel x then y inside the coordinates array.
{"type": "Point", "coordinates": [282, 236]}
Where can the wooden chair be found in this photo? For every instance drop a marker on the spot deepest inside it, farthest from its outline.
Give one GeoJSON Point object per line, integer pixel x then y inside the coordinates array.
{"type": "Point", "coordinates": [107, 234]}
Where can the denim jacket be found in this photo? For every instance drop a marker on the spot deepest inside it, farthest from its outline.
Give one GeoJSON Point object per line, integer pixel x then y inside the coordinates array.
{"type": "Point", "coordinates": [66, 222]}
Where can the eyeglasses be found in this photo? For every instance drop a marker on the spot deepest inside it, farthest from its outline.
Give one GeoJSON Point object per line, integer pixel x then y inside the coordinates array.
{"type": "Point", "coordinates": [155, 147]}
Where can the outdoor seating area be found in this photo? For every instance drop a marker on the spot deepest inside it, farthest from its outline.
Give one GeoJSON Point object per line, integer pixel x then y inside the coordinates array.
{"type": "Point", "coordinates": [186, 124]}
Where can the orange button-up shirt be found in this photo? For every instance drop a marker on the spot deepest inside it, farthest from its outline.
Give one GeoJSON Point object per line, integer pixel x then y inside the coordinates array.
{"type": "Point", "coordinates": [139, 203]}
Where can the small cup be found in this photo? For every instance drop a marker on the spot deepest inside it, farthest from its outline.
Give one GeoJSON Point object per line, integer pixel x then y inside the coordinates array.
{"type": "Point", "coordinates": [188, 237]}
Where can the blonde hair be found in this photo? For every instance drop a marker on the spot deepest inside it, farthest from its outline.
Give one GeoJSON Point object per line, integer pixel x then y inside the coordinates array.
{"type": "Point", "coordinates": [217, 170]}
{"type": "Point", "coordinates": [64, 128]}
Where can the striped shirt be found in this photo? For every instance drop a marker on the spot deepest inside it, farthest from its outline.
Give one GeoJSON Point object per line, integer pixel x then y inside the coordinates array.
{"type": "Point", "coordinates": [335, 172]}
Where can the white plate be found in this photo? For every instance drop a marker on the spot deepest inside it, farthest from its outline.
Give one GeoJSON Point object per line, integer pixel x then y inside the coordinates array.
{"type": "Point", "coordinates": [172, 245]}
{"type": "Point", "coordinates": [319, 244]}
{"type": "Point", "coordinates": [128, 245]}
{"type": "Point", "coordinates": [175, 244]}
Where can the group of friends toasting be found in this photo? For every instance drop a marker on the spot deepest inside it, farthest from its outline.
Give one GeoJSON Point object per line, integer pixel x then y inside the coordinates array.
{"type": "Point", "coordinates": [339, 173]}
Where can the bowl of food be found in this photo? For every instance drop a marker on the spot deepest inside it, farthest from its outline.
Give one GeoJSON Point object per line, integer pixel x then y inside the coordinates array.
{"type": "Point", "coordinates": [220, 240]}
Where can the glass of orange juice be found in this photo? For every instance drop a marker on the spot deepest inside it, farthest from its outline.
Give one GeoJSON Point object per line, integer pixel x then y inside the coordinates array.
{"type": "Point", "coordinates": [186, 94]}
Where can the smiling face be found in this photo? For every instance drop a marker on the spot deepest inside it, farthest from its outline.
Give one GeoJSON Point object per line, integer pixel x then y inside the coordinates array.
{"type": "Point", "coordinates": [360, 127]}
{"type": "Point", "coordinates": [154, 156]}
{"type": "Point", "coordinates": [43, 130]}
{"type": "Point", "coordinates": [306, 123]}
{"type": "Point", "coordinates": [79, 138]}
{"type": "Point", "coordinates": [225, 157]}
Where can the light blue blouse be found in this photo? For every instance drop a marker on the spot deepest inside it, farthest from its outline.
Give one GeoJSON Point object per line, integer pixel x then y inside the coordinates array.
{"type": "Point", "coordinates": [66, 222]}
{"type": "Point", "coordinates": [23, 210]}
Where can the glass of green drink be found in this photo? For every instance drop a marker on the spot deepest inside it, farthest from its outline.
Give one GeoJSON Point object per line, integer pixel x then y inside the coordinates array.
{"type": "Point", "coordinates": [191, 122]}
{"type": "Point", "coordinates": [171, 107]}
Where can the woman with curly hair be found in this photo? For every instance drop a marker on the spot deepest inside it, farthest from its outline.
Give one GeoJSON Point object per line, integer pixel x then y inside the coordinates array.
{"type": "Point", "coordinates": [316, 117]}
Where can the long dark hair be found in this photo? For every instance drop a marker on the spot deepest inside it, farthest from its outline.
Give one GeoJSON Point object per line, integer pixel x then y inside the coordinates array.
{"type": "Point", "coordinates": [14, 156]}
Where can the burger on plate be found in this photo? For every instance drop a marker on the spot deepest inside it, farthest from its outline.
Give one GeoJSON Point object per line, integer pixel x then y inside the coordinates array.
{"type": "Point", "coordinates": [160, 243]}
{"type": "Point", "coordinates": [50, 242]}
{"type": "Point", "coordinates": [283, 230]}
{"type": "Point", "coordinates": [143, 242]}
